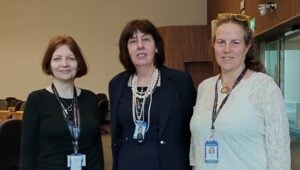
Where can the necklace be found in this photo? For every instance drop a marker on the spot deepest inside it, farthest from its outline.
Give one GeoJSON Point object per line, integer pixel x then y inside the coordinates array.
{"type": "Point", "coordinates": [69, 107]}
{"type": "Point", "coordinates": [226, 88]}
{"type": "Point", "coordinates": [63, 102]}
{"type": "Point", "coordinates": [139, 98]}
{"type": "Point", "coordinates": [151, 85]}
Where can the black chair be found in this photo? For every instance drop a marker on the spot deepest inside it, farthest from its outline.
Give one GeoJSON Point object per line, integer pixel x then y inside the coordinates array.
{"type": "Point", "coordinates": [10, 137]}
{"type": "Point", "coordinates": [101, 96]}
{"type": "Point", "coordinates": [11, 101]}
{"type": "Point", "coordinates": [103, 105]}
{"type": "Point", "coordinates": [18, 105]}
{"type": "Point", "coordinates": [3, 105]}
{"type": "Point", "coordinates": [22, 107]}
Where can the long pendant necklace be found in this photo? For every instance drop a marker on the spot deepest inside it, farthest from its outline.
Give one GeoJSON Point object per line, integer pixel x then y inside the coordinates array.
{"type": "Point", "coordinates": [139, 98]}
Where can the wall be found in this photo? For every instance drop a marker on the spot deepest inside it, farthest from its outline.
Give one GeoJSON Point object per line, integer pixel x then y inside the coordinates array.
{"type": "Point", "coordinates": [186, 49]}
{"type": "Point", "coordinates": [27, 26]}
{"type": "Point", "coordinates": [287, 14]}
{"type": "Point", "coordinates": [184, 43]}
{"type": "Point", "coordinates": [216, 6]}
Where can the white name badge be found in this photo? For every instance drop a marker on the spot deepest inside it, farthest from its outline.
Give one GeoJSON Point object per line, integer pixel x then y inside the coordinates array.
{"type": "Point", "coordinates": [76, 161]}
{"type": "Point", "coordinates": [211, 151]}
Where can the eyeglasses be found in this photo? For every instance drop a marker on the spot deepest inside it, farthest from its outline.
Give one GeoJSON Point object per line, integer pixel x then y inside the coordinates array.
{"type": "Point", "coordinates": [240, 17]}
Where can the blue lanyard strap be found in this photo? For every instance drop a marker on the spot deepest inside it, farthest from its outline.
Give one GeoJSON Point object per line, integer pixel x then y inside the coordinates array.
{"type": "Point", "coordinates": [216, 112]}
{"type": "Point", "coordinates": [72, 121]}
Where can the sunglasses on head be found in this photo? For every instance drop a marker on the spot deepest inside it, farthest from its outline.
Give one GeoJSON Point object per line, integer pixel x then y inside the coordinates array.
{"type": "Point", "coordinates": [240, 17]}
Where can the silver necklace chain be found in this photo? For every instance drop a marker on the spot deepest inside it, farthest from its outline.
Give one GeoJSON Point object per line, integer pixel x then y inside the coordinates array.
{"type": "Point", "coordinates": [68, 107]}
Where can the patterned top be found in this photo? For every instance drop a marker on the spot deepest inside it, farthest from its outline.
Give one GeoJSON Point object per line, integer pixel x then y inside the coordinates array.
{"type": "Point", "coordinates": [251, 129]}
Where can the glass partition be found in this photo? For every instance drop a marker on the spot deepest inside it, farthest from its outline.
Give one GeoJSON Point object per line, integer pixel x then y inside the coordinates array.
{"type": "Point", "coordinates": [282, 60]}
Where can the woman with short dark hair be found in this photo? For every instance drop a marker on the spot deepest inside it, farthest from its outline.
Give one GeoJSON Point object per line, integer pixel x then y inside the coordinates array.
{"type": "Point", "coordinates": [61, 123]}
{"type": "Point", "coordinates": [151, 105]}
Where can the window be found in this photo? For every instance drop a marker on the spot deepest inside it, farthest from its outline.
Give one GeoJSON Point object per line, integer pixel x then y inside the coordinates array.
{"type": "Point", "coordinates": [282, 59]}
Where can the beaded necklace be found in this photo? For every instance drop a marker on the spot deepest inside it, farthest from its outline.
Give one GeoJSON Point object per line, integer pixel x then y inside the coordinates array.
{"type": "Point", "coordinates": [139, 98]}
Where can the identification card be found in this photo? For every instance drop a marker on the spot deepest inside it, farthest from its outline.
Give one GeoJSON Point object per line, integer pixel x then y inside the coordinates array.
{"type": "Point", "coordinates": [139, 131]}
{"type": "Point", "coordinates": [211, 151]}
{"type": "Point", "coordinates": [76, 161]}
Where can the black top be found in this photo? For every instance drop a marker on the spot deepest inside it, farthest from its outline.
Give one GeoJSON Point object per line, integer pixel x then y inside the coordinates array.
{"type": "Point", "coordinates": [173, 102]}
{"type": "Point", "coordinates": [46, 140]}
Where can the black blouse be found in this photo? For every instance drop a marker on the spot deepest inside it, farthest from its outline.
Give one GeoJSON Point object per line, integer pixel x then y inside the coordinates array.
{"type": "Point", "coordinates": [46, 140]}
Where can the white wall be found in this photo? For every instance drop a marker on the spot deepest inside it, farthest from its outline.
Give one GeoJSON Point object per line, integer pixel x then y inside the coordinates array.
{"type": "Point", "coordinates": [27, 26]}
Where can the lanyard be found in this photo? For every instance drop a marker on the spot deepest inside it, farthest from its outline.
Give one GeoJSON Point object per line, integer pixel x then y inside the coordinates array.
{"type": "Point", "coordinates": [216, 112]}
{"type": "Point", "coordinates": [72, 121]}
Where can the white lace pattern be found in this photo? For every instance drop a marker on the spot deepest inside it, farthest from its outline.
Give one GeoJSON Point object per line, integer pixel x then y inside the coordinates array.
{"type": "Point", "coordinates": [252, 127]}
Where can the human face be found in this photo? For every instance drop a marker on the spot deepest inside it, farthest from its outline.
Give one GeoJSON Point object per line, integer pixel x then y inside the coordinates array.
{"type": "Point", "coordinates": [64, 64]}
{"type": "Point", "coordinates": [230, 48]}
{"type": "Point", "coordinates": [141, 48]}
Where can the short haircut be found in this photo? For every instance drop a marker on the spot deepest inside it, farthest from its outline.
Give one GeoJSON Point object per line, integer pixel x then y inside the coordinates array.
{"type": "Point", "coordinates": [58, 41]}
{"type": "Point", "coordinates": [144, 26]}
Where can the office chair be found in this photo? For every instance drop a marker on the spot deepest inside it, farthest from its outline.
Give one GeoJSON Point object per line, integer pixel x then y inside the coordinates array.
{"type": "Point", "coordinates": [103, 110]}
{"type": "Point", "coordinates": [10, 138]}
{"type": "Point", "coordinates": [18, 105]}
{"type": "Point", "coordinates": [10, 101]}
{"type": "Point", "coordinates": [3, 105]}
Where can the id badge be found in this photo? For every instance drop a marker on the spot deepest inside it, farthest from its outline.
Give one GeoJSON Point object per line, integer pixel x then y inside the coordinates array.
{"type": "Point", "coordinates": [211, 151]}
{"type": "Point", "coordinates": [139, 131]}
{"type": "Point", "coordinates": [76, 161]}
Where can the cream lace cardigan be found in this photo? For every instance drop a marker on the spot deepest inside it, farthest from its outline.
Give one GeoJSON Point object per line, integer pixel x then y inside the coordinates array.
{"type": "Point", "coordinates": [252, 128]}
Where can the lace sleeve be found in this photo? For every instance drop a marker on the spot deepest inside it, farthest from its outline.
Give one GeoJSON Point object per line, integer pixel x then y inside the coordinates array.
{"type": "Point", "coordinates": [192, 147]}
{"type": "Point", "coordinates": [201, 88]}
{"type": "Point", "coordinates": [270, 102]}
{"type": "Point", "coordinates": [192, 153]}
